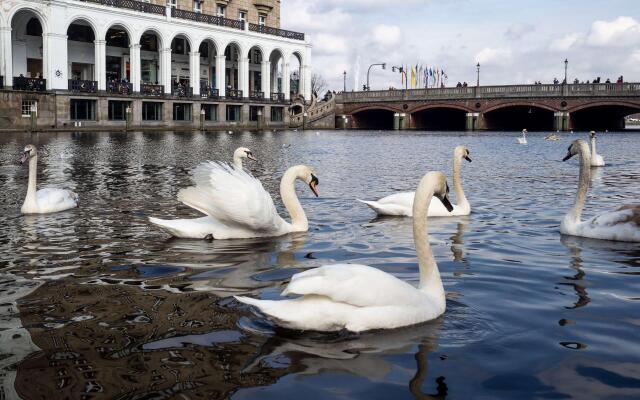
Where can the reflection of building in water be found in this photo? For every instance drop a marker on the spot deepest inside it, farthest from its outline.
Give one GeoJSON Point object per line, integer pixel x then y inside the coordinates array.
{"type": "Point", "coordinates": [93, 344]}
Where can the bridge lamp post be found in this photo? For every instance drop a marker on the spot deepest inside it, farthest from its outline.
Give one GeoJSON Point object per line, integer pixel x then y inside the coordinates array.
{"type": "Point", "coordinates": [344, 76]}
{"type": "Point", "coordinates": [384, 66]}
{"type": "Point", "coordinates": [566, 63]}
{"type": "Point", "coordinates": [478, 70]}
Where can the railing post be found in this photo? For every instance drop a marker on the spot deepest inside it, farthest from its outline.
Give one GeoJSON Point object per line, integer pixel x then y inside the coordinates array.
{"type": "Point", "coordinates": [168, 11]}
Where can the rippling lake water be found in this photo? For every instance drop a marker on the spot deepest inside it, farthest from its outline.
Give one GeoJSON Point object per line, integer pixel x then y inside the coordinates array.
{"type": "Point", "coordinates": [96, 303]}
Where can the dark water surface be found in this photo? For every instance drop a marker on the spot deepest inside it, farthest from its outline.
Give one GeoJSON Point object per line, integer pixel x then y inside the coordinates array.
{"type": "Point", "coordinates": [110, 307]}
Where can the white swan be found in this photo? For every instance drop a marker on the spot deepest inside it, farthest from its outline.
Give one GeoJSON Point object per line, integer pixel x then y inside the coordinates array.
{"type": "Point", "coordinates": [401, 204]}
{"type": "Point", "coordinates": [237, 205]}
{"type": "Point", "coordinates": [47, 200]}
{"type": "Point", "coordinates": [240, 154]}
{"type": "Point", "coordinates": [596, 159]}
{"type": "Point", "coordinates": [360, 298]}
{"type": "Point", "coordinates": [200, 228]}
{"type": "Point", "coordinates": [622, 224]}
{"type": "Point", "coordinates": [523, 139]}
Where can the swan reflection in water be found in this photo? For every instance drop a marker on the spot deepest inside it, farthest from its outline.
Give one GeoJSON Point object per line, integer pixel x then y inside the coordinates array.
{"type": "Point", "coordinates": [365, 355]}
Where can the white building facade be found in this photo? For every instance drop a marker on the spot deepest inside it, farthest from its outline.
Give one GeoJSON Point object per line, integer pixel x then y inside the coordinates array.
{"type": "Point", "coordinates": [143, 50]}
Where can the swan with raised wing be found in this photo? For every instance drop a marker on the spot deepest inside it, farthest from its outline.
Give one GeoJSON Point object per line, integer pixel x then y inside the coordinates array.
{"type": "Point", "coordinates": [623, 224]}
{"type": "Point", "coordinates": [523, 139]}
{"type": "Point", "coordinates": [401, 204]}
{"type": "Point", "coordinates": [47, 200]}
{"type": "Point", "coordinates": [361, 298]}
{"type": "Point", "coordinates": [237, 206]}
{"type": "Point", "coordinates": [596, 159]}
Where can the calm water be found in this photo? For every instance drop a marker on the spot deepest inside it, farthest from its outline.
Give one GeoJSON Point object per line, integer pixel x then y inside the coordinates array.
{"type": "Point", "coordinates": [110, 307]}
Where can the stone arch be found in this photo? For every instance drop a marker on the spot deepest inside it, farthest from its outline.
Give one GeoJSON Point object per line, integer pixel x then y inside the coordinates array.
{"type": "Point", "coordinates": [175, 35]}
{"type": "Point", "coordinates": [601, 103]}
{"type": "Point", "coordinates": [440, 117]}
{"type": "Point", "coordinates": [208, 63]}
{"type": "Point", "coordinates": [211, 39]}
{"type": "Point", "coordinates": [441, 105]}
{"type": "Point", "coordinates": [519, 104]}
{"type": "Point", "coordinates": [373, 117]}
{"type": "Point", "coordinates": [376, 107]}
{"type": "Point", "coordinates": [602, 115]}
{"type": "Point", "coordinates": [159, 34]}
{"type": "Point", "coordinates": [26, 7]}
{"type": "Point", "coordinates": [81, 50]}
{"type": "Point", "coordinates": [20, 64]}
{"type": "Point", "coordinates": [84, 18]}
{"type": "Point", "coordinates": [516, 116]}
{"type": "Point", "coordinates": [151, 64]}
{"type": "Point", "coordinates": [256, 56]}
{"type": "Point", "coordinates": [276, 58]}
{"type": "Point", "coordinates": [117, 24]}
{"type": "Point", "coordinates": [233, 80]}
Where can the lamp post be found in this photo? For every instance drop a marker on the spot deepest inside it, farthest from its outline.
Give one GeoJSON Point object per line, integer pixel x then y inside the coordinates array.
{"type": "Point", "coordinates": [401, 70]}
{"type": "Point", "coordinates": [566, 64]}
{"type": "Point", "coordinates": [384, 66]}
{"type": "Point", "coordinates": [344, 78]}
{"type": "Point", "coordinates": [478, 70]}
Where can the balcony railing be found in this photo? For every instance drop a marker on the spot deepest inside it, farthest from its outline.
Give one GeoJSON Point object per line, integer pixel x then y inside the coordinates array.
{"type": "Point", "coordinates": [30, 84]}
{"type": "Point", "coordinates": [207, 19]}
{"type": "Point", "coordinates": [119, 87]}
{"type": "Point", "coordinates": [207, 92]}
{"type": "Point", "coordinates": [181, 90]}
{"type": "Point", "coordinates": [277, 97]}
{"type": "Point", "coordinates": [82, 86]}
{"type": "Point", "coordinates": [268, 30]}
{"type": "Point", "coordinates": [132, 5]}
{"type": "Point", "coordinates": [235, 94]}
{"type": "Point", "coordinates": [256, 95]}
{"type": "Point", "coordinates": [148, 89]}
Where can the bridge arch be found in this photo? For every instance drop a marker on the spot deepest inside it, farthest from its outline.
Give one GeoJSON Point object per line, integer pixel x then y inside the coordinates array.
{"type": "Point", "coordinates": [602, 115]}
{"type": "Point", "coordinates": [517, 116]}
{"type": "Point", "coordinates": [373, 117]}
{"type": "Point", "coordinates": [440, 117]}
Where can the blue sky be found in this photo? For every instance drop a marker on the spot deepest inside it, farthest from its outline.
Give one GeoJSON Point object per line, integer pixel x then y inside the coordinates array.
{"type": "Point", "coordinates": [515, 41]}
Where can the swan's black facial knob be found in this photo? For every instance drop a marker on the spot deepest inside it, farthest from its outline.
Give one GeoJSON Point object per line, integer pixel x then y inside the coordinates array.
{"type": "Point", "coordinates": [569, 154]}
{"type": "Point", "coordinates": [314, 184]}
{"type": "Point", "coordinates": [445, 199]}
{"type": "Point", "coordinates": [466, 156]}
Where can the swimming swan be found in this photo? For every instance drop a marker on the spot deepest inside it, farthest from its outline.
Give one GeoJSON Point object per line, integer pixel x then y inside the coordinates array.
{"type": "Point", "coordinates": [237, 206]}
{"type": "Point", "coordinates": [47, 200]}
{"type": "Point", "coordinates": [623, 224]}
{"type": "Point", "coordinates": [401, 204]}
{"type": "Point", "coordinates": [523, 139]}
{"type": "Point", "coordinates": [360, 298]}
{"type": "Point", "coordinates": [199, 228]}
{"type": "Point", "coordinates": [596, 159]}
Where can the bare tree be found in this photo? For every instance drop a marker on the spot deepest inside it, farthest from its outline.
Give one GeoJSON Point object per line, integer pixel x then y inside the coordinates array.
{"type": "Point", "coordinates": [318, 84]}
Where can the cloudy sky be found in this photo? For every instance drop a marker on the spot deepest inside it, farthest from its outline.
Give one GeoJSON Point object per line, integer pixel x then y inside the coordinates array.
{"type": "Point", "coordinates": [515, 41]}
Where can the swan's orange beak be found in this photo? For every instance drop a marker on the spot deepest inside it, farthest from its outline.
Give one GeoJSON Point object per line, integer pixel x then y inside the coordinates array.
{"type": "Point", "coordinates": [250, 156]}
{"type": "Point", "coordinates": [314, 184]}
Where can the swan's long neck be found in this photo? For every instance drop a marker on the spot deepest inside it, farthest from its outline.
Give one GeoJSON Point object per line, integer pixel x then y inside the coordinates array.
{"type": "Point", "coordinates": [237, 161]}
{"type": "Point", "coordinates": [583, 183]}
{"type": "Point", "coordinates": [429, 275]}
{"type": "Point", "coordinates": [290, 200]}
{"type": "Point", "coordinates": [33, 175]}
{"type": "Point", "coordinates": [593, 146]}
{"type": "Point", "coordinates": [461, 199]}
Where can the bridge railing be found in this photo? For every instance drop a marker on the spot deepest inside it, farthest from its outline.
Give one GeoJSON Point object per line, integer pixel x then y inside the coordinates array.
{"type": "Point", "coordinates": [514, 91]}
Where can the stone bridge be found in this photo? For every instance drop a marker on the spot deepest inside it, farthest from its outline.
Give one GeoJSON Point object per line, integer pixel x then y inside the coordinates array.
{"type": "Point", "coordinates": [515, 107]}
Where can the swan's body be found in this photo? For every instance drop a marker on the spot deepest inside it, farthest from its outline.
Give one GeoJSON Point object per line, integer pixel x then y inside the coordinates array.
{"type": "Point", "coordinates": [237, 206]}
{"type": "Point", "coordinates": [360, 298]}
{"type": "Point", "coordinates": [199, 228]}
{"type": "Point", "coordinates": [552, 137]}
{"type": "Point", "coordinates": [622, 224]}
{"type": "Point", "coordinates": [596, 159]}
{"type": "Point", "coordinates": [401, 204]}
{"type": "Point", "coordinates": [47, 200]}
{"type": "Point", "coordinates": [523, 139]}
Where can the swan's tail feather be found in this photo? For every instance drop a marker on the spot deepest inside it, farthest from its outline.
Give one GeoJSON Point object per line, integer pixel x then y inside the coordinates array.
{"type": "Point", "coordinates": [373, 205]}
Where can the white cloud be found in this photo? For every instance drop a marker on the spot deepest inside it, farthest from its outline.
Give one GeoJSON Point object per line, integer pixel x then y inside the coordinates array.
{"type": "Point", "coordinates": [491, 56]}
{"type": "Point", "coordinates": [518, 30]}
{"type": "Point", "coordinates": [566, 42]}
{"type": "Point", "coordinates": [386, 35]}
{"type": "Point", "coordinates": [622, 31]}
{"type": "Point", "coordinates": [326, 44]}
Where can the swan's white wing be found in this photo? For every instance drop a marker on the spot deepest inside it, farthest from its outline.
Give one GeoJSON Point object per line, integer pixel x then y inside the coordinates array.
{"type": "Point", "coordinates": [357, 285]}
{"type": "Point", "coordinates": [52, 199]}
{"type": "Point", "coordinates": [622, 224]}
{"type": "Point", "coordinates": [399, 204]}
{"type": "Point", "coordinates": [231, 196]}
{"type": "Point", "coordinates": [404, 199]}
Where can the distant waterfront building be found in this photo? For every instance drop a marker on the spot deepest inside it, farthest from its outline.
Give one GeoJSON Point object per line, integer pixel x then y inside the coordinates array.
{"type": "Point", "coordinates": [99, 62]}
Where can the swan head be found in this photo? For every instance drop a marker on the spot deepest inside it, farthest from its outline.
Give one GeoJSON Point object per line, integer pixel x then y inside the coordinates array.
{"type": "Point", "coordinates": [593, 134]}
{"type": "Point", "coordinates": [525, 131]}
{"type": "Point", "coordinates": [574, 148]}
{"type": "Point", "coordinates": [307, 175]}
{"type": "Point", "coordinates": [28, 152]}
{"type": "Point", "coordinates": [243, 152]}
{"type": "Point", "coordinates": [462, 152]}
{"type": "Point", "coordinates": [441, 189]}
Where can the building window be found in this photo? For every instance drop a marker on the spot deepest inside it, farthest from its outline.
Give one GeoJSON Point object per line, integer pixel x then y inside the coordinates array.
{"type": "Point", "coordinates": [28, 106]}
{"type": "Point", "coordinates": [255, 112]}
{"type": "Point", "coordinates": [118, 110]}
{"type": "Point", "coordinates": [173, 3]}
{"type": "Point", "coordinates": [233, 113]}
{"type": "Point", "coordinates": [197, 6]}
{"type": "Point", "coordinates": [210, 112]}
{"type": "Point", "coordinates": [220, 10]}
{"type": "Point", "coordinates": [82, 110]}
{"type": "Point", "coordinates": [242, 16]}
{"type": "Point", "coordinates": [276, 114]}
{"type": "Point", "coordinates": [181, 112]}
{"type": "Point", "coordinates": [262, 19]}
{"type": "Point", "coordinates": [151, 111]}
